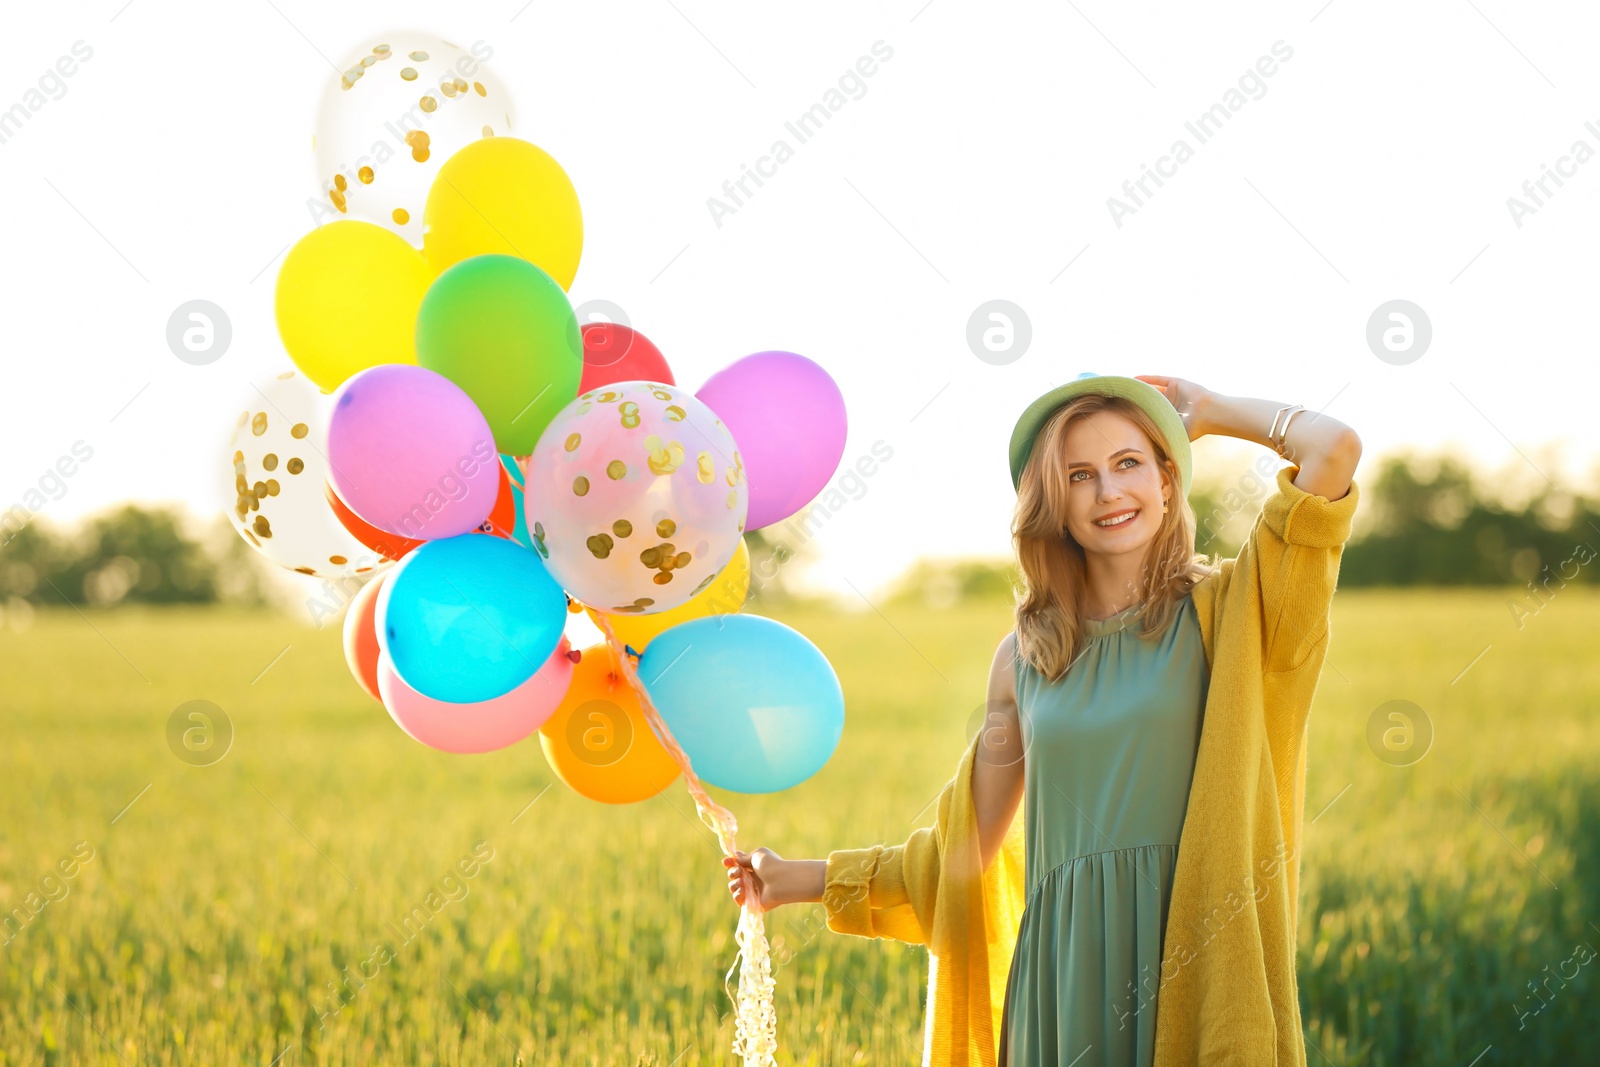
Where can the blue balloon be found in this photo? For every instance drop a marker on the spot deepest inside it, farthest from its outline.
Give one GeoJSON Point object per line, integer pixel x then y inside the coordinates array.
{"type": "Point", "coordinates": [755, 705]}
{"type": "Point", "coordinates": [469, 618]}
{"type": "Point", "coordinates": [520, 533]}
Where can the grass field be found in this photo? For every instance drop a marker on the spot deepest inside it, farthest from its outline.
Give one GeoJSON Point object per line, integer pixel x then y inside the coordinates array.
{"type": "Point", "coordinates": [220, 904]}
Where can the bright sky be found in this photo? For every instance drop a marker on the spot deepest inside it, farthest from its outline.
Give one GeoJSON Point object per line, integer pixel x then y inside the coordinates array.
{"type": "Point", "coordinates": [1374, 163]}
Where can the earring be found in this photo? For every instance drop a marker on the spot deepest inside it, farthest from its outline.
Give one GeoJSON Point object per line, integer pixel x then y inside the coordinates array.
{"type": "Point", "coordinates": [1163, 507]}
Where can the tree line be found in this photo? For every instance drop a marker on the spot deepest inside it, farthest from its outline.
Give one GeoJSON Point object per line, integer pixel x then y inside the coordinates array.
{"type": "Point", "coordinates": [1422, 522]}
{"type": "Point", "coordinates": [131, 554]}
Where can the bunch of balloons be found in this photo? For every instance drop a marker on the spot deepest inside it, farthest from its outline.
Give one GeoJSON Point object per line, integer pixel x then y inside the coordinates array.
{"type": "Point", "coordinates": [489, 465]}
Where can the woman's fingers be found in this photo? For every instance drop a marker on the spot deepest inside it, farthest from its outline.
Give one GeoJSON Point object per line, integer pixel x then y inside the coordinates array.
{"type": "Point", "coordinates": [738, 866]}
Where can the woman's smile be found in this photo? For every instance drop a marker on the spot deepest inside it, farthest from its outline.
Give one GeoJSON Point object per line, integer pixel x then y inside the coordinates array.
{"type": "Point", "coordinates": [1117, 518]}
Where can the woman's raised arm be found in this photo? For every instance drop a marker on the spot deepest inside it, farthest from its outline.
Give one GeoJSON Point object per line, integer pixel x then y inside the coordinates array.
{"type": "Point", "coordinates": [1325, 449]}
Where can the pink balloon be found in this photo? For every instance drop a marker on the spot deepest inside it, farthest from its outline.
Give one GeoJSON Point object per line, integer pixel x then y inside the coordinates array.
{"type": "Point", "coordinates": [481, 727]}
{"type": "Point", "coordinates": [409, 452]}
{"type": "Point", "coordinates": [788, 418]}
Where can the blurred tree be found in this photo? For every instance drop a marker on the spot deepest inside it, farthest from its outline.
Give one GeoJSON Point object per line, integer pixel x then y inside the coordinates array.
{"type": "Point", "coordinates": [771, 554]}
{"type": "Point", "coordinates": [241, 572]}
{"type": "Point", "coordinates": [142, 555]}
{"type": "Point", "coordinates": [131, 554]}
{"type": "Point", "coordinates": [1207, 502]}
{"type": "Point", "coordinates": [29, 559]}
{"type": "Point", "coordinates": [1429, 526]}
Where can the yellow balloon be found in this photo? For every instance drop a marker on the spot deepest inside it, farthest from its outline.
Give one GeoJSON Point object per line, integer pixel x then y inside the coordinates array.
{"type": "Point", "coordinates": [347, 299]}
{"type": "Point", "coordinates": [504, 195]}
{"type": "Point", "coordinates": [599, 742]}
{"type": "Point", "coordinates": [724, 596]}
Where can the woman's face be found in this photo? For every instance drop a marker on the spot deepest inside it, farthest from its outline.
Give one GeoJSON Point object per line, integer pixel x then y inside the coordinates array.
{"type": "Point", "coordinates": [1112, 475]}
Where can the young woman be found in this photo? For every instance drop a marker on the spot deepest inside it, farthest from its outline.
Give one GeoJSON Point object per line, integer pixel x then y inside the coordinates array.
{"type": "Point", "coordinates": [1148, 715]}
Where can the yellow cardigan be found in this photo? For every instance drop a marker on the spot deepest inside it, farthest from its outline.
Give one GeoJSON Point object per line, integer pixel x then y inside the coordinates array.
{"type": "Point", "coordinates": [1227, 991]}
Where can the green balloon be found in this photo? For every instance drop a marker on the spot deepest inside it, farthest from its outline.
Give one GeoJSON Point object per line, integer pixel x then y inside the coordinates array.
{"type": "Point", "coordinates": [503, 330]}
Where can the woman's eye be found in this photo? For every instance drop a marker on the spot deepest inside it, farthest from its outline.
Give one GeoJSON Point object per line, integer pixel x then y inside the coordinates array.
{"type": "Point", "coordinates": [1125, 459]}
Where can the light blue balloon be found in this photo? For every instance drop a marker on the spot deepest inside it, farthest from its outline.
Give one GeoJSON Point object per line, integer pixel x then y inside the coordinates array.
{"type": "Point", "coordinates": [469, 618]}
{"type": "Point", "coordinates": [756, 706]}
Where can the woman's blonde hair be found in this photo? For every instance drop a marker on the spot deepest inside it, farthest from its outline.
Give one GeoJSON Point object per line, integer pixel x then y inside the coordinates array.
{"type": "Point", "coordinates": [1050, 606]}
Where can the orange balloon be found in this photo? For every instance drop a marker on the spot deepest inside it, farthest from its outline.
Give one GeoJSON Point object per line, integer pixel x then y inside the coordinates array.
{"type": "Point", "coordinates": [361, 636]}
{"type": "Point", "coordinates": [598, 741]}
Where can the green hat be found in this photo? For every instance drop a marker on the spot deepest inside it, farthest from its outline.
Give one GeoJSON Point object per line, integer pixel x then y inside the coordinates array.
{"type": "Point", "coordinates": [1147, 396]}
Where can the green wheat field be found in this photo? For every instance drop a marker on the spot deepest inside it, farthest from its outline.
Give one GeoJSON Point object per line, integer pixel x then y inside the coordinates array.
{"type": "Point", "coordinates": [226, 914]}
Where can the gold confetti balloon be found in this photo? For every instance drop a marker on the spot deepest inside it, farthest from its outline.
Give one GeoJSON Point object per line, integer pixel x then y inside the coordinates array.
{"type": "Point", "coordinates": [401, 104]}
{"type": "Point", "coordinates": [636, 497]}
{"type": "Point", "coordinates": [274, 470]}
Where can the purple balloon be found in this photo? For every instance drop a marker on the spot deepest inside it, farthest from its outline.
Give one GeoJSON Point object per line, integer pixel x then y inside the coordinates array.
{"type": "Point", "coordinates": [787, 417]}
{"type": "Point", "coordinates": [410, 453]}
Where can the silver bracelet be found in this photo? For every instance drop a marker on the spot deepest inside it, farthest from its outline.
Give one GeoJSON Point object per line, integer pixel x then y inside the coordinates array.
{"type": "Point", "coordinates": [1276, 436]}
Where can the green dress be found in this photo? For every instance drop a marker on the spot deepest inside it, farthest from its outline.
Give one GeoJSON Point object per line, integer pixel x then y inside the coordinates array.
{"type": "Point", "coordinates": [1110, 752]}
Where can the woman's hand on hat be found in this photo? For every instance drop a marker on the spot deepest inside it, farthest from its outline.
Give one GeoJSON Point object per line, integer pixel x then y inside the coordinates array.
{"type": "Point", "coordinates": [1191, 401]}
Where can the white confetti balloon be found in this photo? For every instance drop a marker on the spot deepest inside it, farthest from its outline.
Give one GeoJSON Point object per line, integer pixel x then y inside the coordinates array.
{"type": "Point", "coordinates": [401, 105]}
{"type": "Point", "coordinates": [277, 465]}
{"type": "Point", "coordinates": [636, 497]}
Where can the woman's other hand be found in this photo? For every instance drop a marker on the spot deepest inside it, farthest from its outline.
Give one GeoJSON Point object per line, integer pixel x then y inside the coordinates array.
{"type": "Point", "coordinates": [777, 881]}
{"type": "Point", "coordinates": [1190, 401]}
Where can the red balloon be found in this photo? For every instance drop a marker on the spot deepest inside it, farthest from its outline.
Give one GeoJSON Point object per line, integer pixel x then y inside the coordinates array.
{"type": "Point", "coordinates": [361, 637]}
{"type": "Point", "coordinates": [616, 353]}
{"type": "Point", "coordinates": [502, 521]}
{"type": "Point", "coordinates": [385, 544]}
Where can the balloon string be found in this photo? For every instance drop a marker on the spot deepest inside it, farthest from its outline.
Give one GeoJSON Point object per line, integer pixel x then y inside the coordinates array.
{"type": "Point", "coordinates": [755, 1024]}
